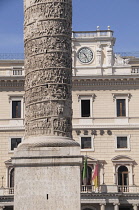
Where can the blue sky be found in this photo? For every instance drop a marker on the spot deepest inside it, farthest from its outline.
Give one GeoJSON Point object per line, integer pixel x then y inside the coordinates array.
{"type": "Point", "coordinates": [121, 15]}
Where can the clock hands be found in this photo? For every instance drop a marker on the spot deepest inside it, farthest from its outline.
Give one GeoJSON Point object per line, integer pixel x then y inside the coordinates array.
{"type": "Point", "coordinates": [86, 57]}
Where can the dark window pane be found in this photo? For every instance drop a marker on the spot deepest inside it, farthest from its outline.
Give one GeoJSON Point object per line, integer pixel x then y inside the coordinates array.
{"type": "Point", "coordinates": [15, 142]}
{"type": "Point", "coordinates": [122, 142]}
{"type": "Point", "coordinates": [85, 108]}
{"type": "Point", "coordinates": [121, 110]}
{"type": "Point", "coordinates": [12, 178]}
{"type": "Point", "coordinates": [85, 142]}
{"type": "Point", "coordinates": [16, 109]}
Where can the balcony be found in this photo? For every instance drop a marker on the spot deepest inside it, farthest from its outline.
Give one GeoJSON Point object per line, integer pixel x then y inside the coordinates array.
{"type": "Point", "coordinates": [135, 70]}
{"type": "Point", "coordinates": [6, 191]}
{"type": "Point", "coordinates": [109, 189]}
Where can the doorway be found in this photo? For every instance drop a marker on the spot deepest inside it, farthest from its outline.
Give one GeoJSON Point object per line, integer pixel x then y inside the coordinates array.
{"type": "Point", "coordinates": [123, 179]}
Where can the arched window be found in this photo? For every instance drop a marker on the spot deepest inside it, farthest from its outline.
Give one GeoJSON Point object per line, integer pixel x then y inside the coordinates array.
{"type": "Point", "coordinates": [123, 167]}
{"type": "Point", "coordinates": [12, 178]}
{"type": "Point", "coordinates": [123, 179]}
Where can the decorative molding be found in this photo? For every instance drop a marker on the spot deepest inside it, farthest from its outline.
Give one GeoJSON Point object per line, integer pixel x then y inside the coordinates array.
{"type": "Point", "coordinates": [115, 95]}
{"type": "Point", "coordinates": [80, 96]}
{"type": "Point", "coordinates": [12, 128]}
{"type": "Point", "coordinates": [122, 159]}
{"type": "Point", "coordinates": [105, 127]}
{"type": "Point", "coordinates": [12, 83]}
{"type": "Point", "coordinates": [15, 96]}
{"type": "Point", "coordinates": [79, 81]}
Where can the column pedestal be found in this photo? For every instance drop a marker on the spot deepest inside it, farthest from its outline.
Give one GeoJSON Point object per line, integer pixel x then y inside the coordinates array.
{"type": "Point", "coordinates": [47, 178]}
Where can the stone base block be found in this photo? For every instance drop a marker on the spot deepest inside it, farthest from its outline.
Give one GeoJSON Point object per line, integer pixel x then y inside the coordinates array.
{"type": "Point", "coordinates": [47, 178]}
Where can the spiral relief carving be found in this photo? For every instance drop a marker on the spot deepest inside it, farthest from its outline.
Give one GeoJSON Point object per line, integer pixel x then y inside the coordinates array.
{"type": "Point", "coordinates": [48, 69]}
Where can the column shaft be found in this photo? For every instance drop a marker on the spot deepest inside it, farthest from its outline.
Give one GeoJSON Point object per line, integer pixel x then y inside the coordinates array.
{"type": "Point", "coordinates": [48, 69]}
{"type": "Point", "coordinates": [135, 207]}
{"type": "Point", "coordinates": [116, 207]}
{"type": "Point", "coordinates": [102, 207]}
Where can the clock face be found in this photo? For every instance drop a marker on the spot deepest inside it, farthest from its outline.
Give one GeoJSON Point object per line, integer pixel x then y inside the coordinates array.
{"type": "Point", "coordinates": [85, 55]}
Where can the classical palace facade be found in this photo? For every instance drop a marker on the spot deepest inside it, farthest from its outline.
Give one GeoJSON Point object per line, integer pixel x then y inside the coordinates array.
{"type": "Point", "coordinates": [105, 121]}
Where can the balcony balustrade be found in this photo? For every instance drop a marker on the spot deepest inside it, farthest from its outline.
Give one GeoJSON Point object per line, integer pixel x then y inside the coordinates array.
{"type": "Point", "coordinates": [91, 34]}
{"type": "Point", "coordinates": [89, 189]}
{"type": "Point", "coordinates": [109, 189]}
{"type": "Point", "coordinates": [135, 70]}
{"type": "Point", "coordinates": [6, 191]}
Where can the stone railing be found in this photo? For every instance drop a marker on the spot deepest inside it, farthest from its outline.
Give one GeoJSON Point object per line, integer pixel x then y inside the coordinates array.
{"type": "Point", "coordinates": [88, 34]}
{"type": "Point", "coordinates": [18, 72]}
{"type": "Point", "coordinates": [109, 189]}
{"type": "Point", "coordinates": [6, 191]}
{"type": "Point", "coordinates": [135, 70]}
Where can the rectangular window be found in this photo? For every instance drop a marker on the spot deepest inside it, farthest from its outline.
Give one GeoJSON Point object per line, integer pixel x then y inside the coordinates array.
{"type": "Point", "coordinates": [15, 142]}
{"type": "Point", "coordinates": [85, 108]}
{"type": "Point", "coordinates": [121, 107]}
{"type": "Point", "coordinates": [16, 109]}
{"type": "Point", "coordinates": [122, 142]}
{"type": "Point", "coordinates": [86, 143]}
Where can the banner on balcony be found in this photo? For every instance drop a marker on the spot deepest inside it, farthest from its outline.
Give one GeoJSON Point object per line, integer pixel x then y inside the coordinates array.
{"type": "Point", "coordinates": [95, 176]}
{"type": "Point", "coordinates": [85, 171]}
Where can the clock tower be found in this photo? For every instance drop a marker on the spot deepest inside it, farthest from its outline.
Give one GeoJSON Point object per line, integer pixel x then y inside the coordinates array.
{"type": "Point", "coordinates": [93, 50]}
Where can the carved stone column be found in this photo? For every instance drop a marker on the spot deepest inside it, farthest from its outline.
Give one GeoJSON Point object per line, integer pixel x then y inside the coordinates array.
{"type": "Point", "coordinates": [48, 71]}
{"type": "Point", "coordinates": [47, 163]}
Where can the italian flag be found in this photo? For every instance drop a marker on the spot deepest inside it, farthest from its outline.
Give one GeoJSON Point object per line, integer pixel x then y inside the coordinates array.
{"type": "Point", "coordinates": [85, 171]}
{"type": "Point", "coordinates": [95, 176]}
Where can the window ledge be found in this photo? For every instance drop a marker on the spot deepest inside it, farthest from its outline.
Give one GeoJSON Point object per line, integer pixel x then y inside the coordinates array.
{"type": "Point", "coordinates": [121, 117]}
{"type": "Point", "coordinates": [128, 149]}
{"type": "Point", "coordinates": [11, 152]}
{"type": "Point", "coordinates": [86, 150]}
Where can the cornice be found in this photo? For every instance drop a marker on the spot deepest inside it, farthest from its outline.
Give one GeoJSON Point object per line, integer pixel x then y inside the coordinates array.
{"type": "Point", "coordinates": [12, 128]}
{"type": "Point", "coordinates": [106, 81]}
{"type": "Point", "coordinates": [107, 127]}
{"type": "Point", "coordinates": [94, 195]}
{"type": "Point", "coordinates": [12, 82]}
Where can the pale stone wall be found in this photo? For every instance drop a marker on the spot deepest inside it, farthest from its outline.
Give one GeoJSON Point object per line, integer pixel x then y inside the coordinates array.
{"type": "Point", "coordinates": [12, 86]}
{"type": "Point", "coordinates": [5, 103]}
{"type": "Point", "coordinates": [6, 153]}
{"type": "Point", "coordinates": [104, 106]}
